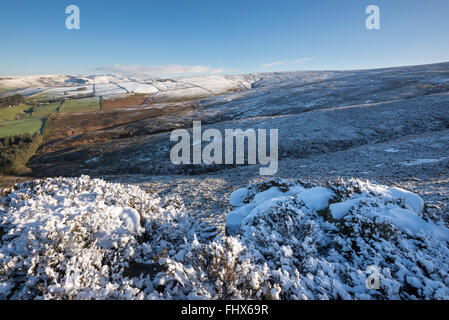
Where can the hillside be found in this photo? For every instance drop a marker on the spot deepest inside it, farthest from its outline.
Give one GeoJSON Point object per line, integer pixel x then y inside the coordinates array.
{"type": "Point", "coordinates": [362, 180]}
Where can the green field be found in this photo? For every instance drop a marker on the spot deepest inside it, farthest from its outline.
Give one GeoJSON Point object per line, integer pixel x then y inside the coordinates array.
{"type": "Point", "coordinates": [14, 113]}
{"type": "Point", "coordinates": [17, 127]}
{"type": "Point", "coordinates": [26, 119]}
{"type": "Point", "coordinates": [46, 110]}
{"type": "Point", "coordinates": [38, 97]}
{"type": "Point", "coordinates": [81, 105]}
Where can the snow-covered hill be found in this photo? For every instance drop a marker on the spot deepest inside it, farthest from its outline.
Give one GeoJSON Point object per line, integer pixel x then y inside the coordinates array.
{"type": "Point", "coordinates": [57, 86]}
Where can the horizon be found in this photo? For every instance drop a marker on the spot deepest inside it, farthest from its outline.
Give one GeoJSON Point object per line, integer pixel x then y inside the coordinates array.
{"type": "Point", "coordinates": [206, 75]}
{"type": "Point", "coordinates": [209, 38]}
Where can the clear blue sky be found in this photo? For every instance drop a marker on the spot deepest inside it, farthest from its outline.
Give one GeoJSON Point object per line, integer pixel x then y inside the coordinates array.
{"type": "Point", "coordinates": [230, 36]}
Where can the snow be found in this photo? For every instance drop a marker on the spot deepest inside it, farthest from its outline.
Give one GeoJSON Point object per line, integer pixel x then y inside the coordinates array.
{"type": "Point", "coordinates": [282, 225]}
{"type": "Point", "coordinates": [418, 162]}
{"type": "Point", "coordinates": [94, 159]}
{"type": "Point", "coordinates": [31, 81]}
{"type": "Point", "coordinates": [391, 150]}
{"type": "Point", "coordinates": [57, 86]}
{"type": "Point", "coordinates": [411, 199]}
{"type": "Point", "coordinates": [79, 238]}
{"type": "Point", "coordinates": [415, 202]}
{"type": "Point", "coordinates": [316, 198]}
{"type": "Point", "coordinates": [407, 219]}
{"type": "Point", "coordinates": [340, 209]}
{"type": "Point", "coordinates": [129, 216]}
{"type": "Point", "coordinates": [108, 89]}
{"type": "Point", "coordinates": [237, 197]}
{"type": "Point", "coordinates": [136, 87]}
{"type": "Point", "coordinates": [273, 192]}
{"type": "Point", "coordinates": [235, 218]}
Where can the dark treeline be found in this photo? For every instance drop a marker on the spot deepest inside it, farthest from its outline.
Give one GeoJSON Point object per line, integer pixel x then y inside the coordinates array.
{"type": "Point", "coordinates": [15, 152]}
{"type": "Point", "coordinates": [11, 100]}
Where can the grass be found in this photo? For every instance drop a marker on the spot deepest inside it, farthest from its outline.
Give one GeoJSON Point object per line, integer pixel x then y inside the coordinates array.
{"type": "Point", "coordinates": [38, 97]}
{"type": "Point", "coordinates": [45, 111]}
{"type": "Point", "coordinates": [14, 113]}
{"type": "Point", "coordinates": [81, 105]}
{"type": "Point", "coordinates": [17, 120]}
{"type": "Point", "coordinates": [22, 126]}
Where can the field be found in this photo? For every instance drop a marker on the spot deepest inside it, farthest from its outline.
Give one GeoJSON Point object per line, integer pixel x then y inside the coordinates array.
{"type": "Point", "coordinates": [46, 110]}
{"type": "Point", "coordinates": [14, 113]}
{"type": "Point", "coordinates": [38, 97]}
{"type": "Point", "coordinates": [25, 119]}
{"type": "Point", "coordinates": [80, 105]}
{"type": "Point", "coordinates": [17, 127]}
{"type": "Point", "coordinates": [125, 101]}
{"type": "Point", "coordinates": [63, 125]}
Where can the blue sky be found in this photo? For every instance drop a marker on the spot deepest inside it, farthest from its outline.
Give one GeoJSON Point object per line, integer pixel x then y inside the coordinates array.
{"type": "Point", "coordinates": [219, 36]}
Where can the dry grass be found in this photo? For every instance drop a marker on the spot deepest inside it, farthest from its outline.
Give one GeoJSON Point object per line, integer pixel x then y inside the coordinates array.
{"type": "Point", "coordinates": [126, 101]}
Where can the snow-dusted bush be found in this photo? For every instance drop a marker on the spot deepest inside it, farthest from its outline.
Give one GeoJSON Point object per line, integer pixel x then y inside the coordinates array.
{"type": "Point", "coordinates": [83, 238]}
{"type": "Point", "coordinates": [222, 269]}
{"type": "Point", "coordinates": [74, 238]}
{"type": "Point", "coordinates": [324, 253]}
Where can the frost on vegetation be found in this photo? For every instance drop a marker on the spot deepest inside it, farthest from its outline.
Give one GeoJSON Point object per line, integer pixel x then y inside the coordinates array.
{"type": "Point", "coordinates": [322, 253]}
{"type": "Point", "coordinates": [83, 238]}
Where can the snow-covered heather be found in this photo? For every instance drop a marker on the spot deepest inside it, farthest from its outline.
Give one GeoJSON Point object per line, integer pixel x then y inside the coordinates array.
{"type": "Point", "coordinates": [83, 238]}
{"type": "Point", "coordinates": [318, 242]}
{"type": "Point", "coordinates": [74, 238]}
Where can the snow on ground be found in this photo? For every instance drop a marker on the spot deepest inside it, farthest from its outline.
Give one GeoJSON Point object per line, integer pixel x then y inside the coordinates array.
{"type": "Point", "coordinates": [181, 94]}
{"type": "Point", "coordinates": [418, 162]}
{"type": "Point", "coordinates": [63, 92]}
{"type": "Point", "coordinates": [60, 80]}
{"type": "Point", "coordinates": [137, 87]}
{"type": "Point", "coordinates": [31, 81]}
{"type": "Point", "coordinates": [219, 84]}
{"type": "Point", "coordinates": [57, 86]}
{"type": "Point", "coordinates": [109, 89]}
{"type": "Point", "coordinates": [83, 238]}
